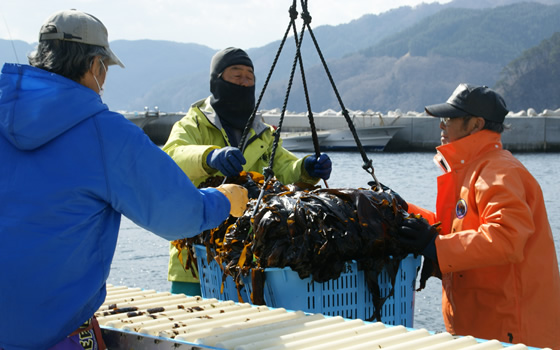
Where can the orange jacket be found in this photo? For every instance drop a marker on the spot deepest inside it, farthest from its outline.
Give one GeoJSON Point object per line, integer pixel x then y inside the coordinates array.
{"type": "Point", "coordinates": [496, 250]}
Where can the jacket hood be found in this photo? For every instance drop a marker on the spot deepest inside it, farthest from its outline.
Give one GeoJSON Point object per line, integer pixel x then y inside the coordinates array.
{"type": "Point", "coordinates": [37, 106]}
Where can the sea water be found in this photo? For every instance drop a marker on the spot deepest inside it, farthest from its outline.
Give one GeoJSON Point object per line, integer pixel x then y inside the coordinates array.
{"type": "Point", "coordinates": [141, 258]}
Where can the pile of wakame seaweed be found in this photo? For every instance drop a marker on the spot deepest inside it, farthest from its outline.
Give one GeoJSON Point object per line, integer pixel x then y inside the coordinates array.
{"type": "Point", "coordinates": [312, 230]}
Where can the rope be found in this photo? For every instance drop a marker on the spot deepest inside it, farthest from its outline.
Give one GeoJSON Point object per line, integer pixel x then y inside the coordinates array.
{"type": "Point", "coordinates": [285, 104]}
{"type": "Point", "coordinates": [306, 21]}
{"type": "Point", "coordinates": [268, 172]}
{"type": "Point", "coordinates": [367, 166]}
{"type": "Point", "coordinates": [293, 16]}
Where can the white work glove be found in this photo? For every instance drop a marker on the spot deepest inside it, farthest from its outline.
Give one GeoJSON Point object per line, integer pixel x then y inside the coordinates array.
{"type": "Point", "coordinates": [238, 198]}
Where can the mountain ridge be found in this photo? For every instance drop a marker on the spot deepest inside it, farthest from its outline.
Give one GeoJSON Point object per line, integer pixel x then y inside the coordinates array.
{"type": "Point", "coordinates": [173, 75]}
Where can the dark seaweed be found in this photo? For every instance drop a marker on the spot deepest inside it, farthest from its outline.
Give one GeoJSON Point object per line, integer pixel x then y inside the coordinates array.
{"type": "Point", "coordinates": [313, 231]}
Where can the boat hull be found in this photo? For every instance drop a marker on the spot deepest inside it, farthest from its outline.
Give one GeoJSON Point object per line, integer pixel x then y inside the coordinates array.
{"type": "Point", "coordinates": [301, 142]}
{"type": "Point", "coordinates": [371, 138]}
{"type": "Point", "coordinates": [156, 126]}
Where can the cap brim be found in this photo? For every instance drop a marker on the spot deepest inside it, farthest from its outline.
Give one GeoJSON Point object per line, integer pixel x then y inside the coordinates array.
{"type": "Point", "coordinates": [113, 58]}
{"type": "Point", "coordinates": [445, 110]}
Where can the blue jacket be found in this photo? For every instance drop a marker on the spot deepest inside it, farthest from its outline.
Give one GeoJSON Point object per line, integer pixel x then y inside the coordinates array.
{"type": "Point", "coordinates": [68, 169]}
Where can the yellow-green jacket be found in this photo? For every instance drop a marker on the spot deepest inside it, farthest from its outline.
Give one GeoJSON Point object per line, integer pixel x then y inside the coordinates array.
{"type": "Point", "coordinates": [194, 136]}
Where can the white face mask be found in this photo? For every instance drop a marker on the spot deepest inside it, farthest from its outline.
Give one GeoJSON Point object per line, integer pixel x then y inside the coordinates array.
{"type": "Point", "coordinates": [97, 82]}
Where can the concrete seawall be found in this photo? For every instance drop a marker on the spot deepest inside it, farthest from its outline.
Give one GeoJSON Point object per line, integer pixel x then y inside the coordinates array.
{"type": "Point", "coordinates": [422, 133]}
{"type": "Point", "coordinates": [526, 134]}
{"type": "Point", "coordinates": [418, 133]}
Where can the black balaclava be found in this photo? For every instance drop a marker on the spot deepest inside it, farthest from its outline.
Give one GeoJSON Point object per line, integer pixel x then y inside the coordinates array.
{"type": "Point", "coordinates": [233, 103]}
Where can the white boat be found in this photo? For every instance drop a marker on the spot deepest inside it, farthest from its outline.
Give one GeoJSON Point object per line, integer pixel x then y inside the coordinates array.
{"type": "Point", "coordinates": [333, 134]}
{"type": "Point", "coordinates": [373, 138]}
{"type": "Point", "coordinates": [302, 141]}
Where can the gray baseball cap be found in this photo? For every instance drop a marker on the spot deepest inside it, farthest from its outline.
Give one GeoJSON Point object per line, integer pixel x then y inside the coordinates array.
{"type": "Point", "coordinates": [80, 27]}
{"type": "Point", "coordinates": [468, 100]}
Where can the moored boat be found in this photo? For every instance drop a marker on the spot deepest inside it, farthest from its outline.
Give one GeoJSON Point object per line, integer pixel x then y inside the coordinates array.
{"type": "Point", "coordinates": [301, 141]}
{"type": "Point", "coordinates": [157, 125]}
{"type": "Point", "coordinates": [373, 138]}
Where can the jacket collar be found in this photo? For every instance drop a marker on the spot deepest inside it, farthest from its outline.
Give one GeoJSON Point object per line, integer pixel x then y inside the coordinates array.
{"type": "Point", "coordinates": [257, 128]}
{"type": "Point", "coordinates": [456, 154]}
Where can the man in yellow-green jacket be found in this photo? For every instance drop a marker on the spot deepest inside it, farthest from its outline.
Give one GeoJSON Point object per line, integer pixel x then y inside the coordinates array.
{"type": "Point", "coordinates": [205, 142]}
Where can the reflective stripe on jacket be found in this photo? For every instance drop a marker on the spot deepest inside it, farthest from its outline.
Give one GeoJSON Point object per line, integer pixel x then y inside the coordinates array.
{"type": "Point", "coordinates": [194, 136]}
{"type": "Point", "coordinates": [496, 249]}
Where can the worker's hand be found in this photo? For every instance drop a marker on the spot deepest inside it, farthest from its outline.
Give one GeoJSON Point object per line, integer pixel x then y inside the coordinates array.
{"type": "Point", "coordinates": [228, 160]}
{"type": "Point", "coordinates": [320, 167]}
{"type": "Point", "coordinates": [237, 196]}
{"type": "Point", "coordinates": [419, 237]}
{"type": "Point", "coordinates": [398, 198]}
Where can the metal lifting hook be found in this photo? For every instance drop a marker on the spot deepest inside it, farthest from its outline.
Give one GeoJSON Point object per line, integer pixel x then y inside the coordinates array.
{"type": "Point", "coordinates": [368, 167]}
{"type": "Point", "coordinates": [268, 174]}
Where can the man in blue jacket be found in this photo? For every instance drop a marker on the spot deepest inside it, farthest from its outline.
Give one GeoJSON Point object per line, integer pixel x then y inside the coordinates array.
{"type": "Point", "coordinates": [69, 168]}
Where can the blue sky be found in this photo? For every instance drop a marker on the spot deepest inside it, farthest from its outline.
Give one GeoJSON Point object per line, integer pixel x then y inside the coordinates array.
{"type": "Point", "coordinates": [214, 23]}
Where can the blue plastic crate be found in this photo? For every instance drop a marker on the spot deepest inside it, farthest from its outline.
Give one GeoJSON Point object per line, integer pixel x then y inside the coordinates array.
{"type": "Point", "coordinates": [211, 278]}
{"type": "Point", "coordinates": [346, 296]}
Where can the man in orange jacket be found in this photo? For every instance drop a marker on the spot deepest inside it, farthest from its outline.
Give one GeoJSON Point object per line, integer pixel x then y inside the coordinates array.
{"type": "Point", "coordinates": [495, 249]}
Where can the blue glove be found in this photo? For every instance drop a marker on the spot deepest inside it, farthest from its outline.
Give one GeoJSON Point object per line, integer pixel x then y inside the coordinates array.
{"type": "Point", "coordinates": [228, 160]}
{"type": "Point", "coordinates": [321, 167]}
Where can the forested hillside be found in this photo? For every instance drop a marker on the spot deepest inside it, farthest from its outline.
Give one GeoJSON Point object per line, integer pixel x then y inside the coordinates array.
{"type": "Point", "coordinates": [402, 59]}
{"type": "Point", "coordinates": [425, 62]}
{"type": "Point", "coordinates": [495, 36]}
{"type": "Point", "coordinates": [533, 79]}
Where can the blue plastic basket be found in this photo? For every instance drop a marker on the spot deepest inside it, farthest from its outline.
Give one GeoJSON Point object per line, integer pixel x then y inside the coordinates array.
{"type": "Point", "coordinates": [346, 296]}
{"type": "Point", "coordinates": [210, 276]}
